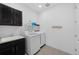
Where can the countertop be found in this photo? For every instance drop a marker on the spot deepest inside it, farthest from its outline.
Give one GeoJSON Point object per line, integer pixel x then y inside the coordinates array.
{"type": "Point", "coordinates": [8, 39]}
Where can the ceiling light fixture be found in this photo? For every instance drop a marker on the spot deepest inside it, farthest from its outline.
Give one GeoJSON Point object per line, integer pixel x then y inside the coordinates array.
{"type": "Point", "coordinates": [40, 6]}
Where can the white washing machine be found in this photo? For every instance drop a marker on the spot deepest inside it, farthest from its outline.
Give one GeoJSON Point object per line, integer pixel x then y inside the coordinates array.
{"type": "Point", "coordinates": [32, 43]}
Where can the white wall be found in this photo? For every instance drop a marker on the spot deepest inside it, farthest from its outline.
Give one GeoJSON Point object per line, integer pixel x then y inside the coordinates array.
{"type": "Point", "coordinates": [27, 15]}
{"type": "Point", "coordinates": [60, 15]}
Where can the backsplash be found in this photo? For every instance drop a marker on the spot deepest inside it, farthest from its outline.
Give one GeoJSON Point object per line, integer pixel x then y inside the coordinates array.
{"type": "Point", "coordinates": [8, 30]}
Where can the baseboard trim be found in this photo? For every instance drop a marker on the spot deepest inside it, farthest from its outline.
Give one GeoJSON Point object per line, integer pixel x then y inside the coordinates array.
{"type": "Point", "coordinates": [42, 46]}
{"type": "Point", "coordinates": [36, 52]}
{"type": "Point", "coordinates": [59, 49]}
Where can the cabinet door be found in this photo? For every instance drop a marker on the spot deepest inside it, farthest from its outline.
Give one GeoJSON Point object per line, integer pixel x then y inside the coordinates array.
{"type": "Point", "coordinates": [17, 17]}
{"type": "Point", "coordinates": [20, 47]}
{"type": "Point", "coordinates": [10, 16]}
{"type": "Point", "coordinates": [13, 48]}
{"type": "Point", "coordinates": [8, 51]}
{"type": "Point", "coordinates": [6, 15]}
{"type": "Point", "coordinates": [7, 48]}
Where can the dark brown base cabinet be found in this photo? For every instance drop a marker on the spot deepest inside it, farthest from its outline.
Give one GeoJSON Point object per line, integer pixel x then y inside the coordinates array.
{"type": "Point", "coordinates": [16, 47]}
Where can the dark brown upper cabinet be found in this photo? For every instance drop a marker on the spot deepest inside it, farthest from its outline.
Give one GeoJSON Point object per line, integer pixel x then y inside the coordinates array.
{"type": "Point", "coordinates": [10, 16]}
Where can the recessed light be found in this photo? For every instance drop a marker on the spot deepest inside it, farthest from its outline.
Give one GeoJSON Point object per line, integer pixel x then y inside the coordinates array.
{"type": "Point", "coordinates": [40, 6]}
{"type": "Point", "coordinates": [47, 4]}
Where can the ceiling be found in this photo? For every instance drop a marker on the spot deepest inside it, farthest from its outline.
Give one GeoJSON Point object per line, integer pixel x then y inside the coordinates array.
{"type": "Point", "coordinates": [39, 7]}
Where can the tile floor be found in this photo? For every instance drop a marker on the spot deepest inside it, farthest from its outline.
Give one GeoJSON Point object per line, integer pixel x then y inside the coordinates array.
{"type": "Point", "coordinates": [46, 50]}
